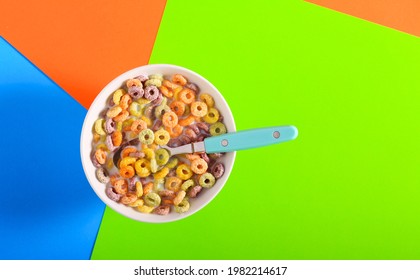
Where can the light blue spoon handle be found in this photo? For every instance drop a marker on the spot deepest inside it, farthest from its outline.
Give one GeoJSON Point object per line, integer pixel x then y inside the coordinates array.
{"type": "Point", "coordinates": [248, 139]}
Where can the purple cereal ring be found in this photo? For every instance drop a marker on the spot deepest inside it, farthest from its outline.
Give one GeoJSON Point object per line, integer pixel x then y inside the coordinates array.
{"type": "Point", "coordinates": [148, 112]}
{"type": "Point", "coordinates": [184, 139]}
{"type": "Point", "coordinates": [162, 210]}
{"type": "Point", "coordinates": [109, 143]}
{"type": "Point", "coordinates": [138, 154]}
{"type": "Point", "coordinates": [157, 125]}
{"type": "Point", "coordinates": [192, 86]}
{"type": "Point", "coordinates": [191, 134]}
{"type": "Point", "coordinates": [151, 93]}
{"type": "Point", "coordinates": [142, 77]}
{"type": "Point", "coordinates": [200, 138]}
{"type": "Point", "coordinates": [172, 173]}
{"type": "Point", "coordinates": [203, 126]}
{"type": "Point", "coordinates": [167, 193]}
{"type": "Point", "coordinates": [158, 100]}
{"type": "Point", "coordinates": [173, 143]}
{"type": "Point", "coordinates": [218, 170]}
{"type": "Point", "coordinates": [205, 157]}
{"type": "Point", "coordinates": [109, 126]}
{"type": "Point", "coordinates": [195, 128]}
{"type": "Point", "coordinates": [193, 192]}
{"type": "Point", "coordinates": [136, 92]}
{"type": "Point", "coordinates": [132, 184]}
{"type": "Point", "coordinates": [94, 160]}
{"type": "Point", "coordinates": [112, 194]}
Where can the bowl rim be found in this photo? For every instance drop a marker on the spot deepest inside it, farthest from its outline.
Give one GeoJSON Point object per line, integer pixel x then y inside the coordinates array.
{"type": "Point", "coordinates": [86, 131]}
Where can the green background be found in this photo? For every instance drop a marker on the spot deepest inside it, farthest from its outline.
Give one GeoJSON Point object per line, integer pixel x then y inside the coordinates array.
{"type": "Point", "coordinates": [347, 188]}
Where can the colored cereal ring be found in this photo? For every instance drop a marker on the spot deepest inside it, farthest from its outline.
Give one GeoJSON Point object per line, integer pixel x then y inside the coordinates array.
{"type": "Point", "coordinates": [151, 93]}
{"type": "Point", "coordinates": [169, 85]}
{"type": "Point", "coordinates": [172, 163]}
{"type": "Point", "coordinates": [133, 83]}
{"type": "Point", "coordinates": [173, 183]}
{"type": "Point", "coordinates": [142, 167]}
{"type": "Point", "coordinates": [116, 137]}
{"type": "Point", "coordinates": [212, 116]}
{"type": "Point", "coordinates": [113, 112]}
{"type": "Point", "coordinates": [127, 151]}
{"type": "Point", "coordinates": [109, 144]}
{"type": "Point", "coordinates": [205, 157]}
{"type": "Point", "coordinates": [183, 206]}
{"type": "Point", "coordinates": [170, 119]}
{"type": "Point", "coordinates": [194, 191]}
{"type": "Point", "coordinates": [142, 78]}
{"type": "Point", "coordinates": [194, 128]}
{"type": "Point", "coordinates": [166, 92]}
{"type": "Point", "coordinates": [167, 194]}
{"type": "Point", "coordinates": [138, 125]}
{"type": "Point", "coordinates": [128, 198]}
{"type": "Point", "coordinates": [162, 156]}
{"type": "Point", "coordinates": [116, 97]}
{"type": "Point", "coordinates": [98, 126]}
{"type": "Point", "coordinates": [162, 137]}
{"type": "Point", "coordinates": [132, 184]}
{"type": "Point", "coordinates": [122, 116]}
{"type": "Point", "coordinates": [179, 197]}
{"type": "Point", "coordinates": [110, 126]}
{"type": "Point", "coordinates": [208, 99]}
{"type": "Point", "coordinates": [187, 96]}
{"type": "Point", "coordinates": [145, 209]}
{"type": "Point", "coordinates": [161, 110]}
{"type": "Point", "coordinates": [152, 199]}
{"type": "Point", "coordinates": [218, 170]}
{"type": "Point", "coordinates": [127, 161]}
{"type": "Point", "coordinates": [179, 80]}
{"type": "Point", "coordinates": [175, 131]}
{"type": "Point", "coordinates": [187, 121]}
{"type": "Point", "coordinates": [147, 120]}
{"type": "Point", "coordinates": [187, 184]}
{"type": "Point", "coordinates": [198, 109]}
{"type": "Point", "coordinates": [153, 165]}
{"type": "Point", "coordinates": [156, 126]}
{"type": "Point", "coordinates": [94, 160]}
{"type": "Point", "coordinates": [125, 101]}
{"type": "Point", "coordinates": [146, 136]}
{"type": "Point", "coordinates": [120, 186]}
{"type": "Point", "coordinates": [153, 82]}
{"type": "Point", "coordinates": [178, 108]}
{"type": "Point", "coordinates": [217, 129]}
{"type": "Point", "coordinates": [161, 173]}
{"type": "Point", "coordinates": [136, 92]}
{"type": "Point", "coordinates": [184, 172]}
{"type": "Point", "coordinates": [199, 166]}
{"type": "Point", "coordinates": [147, 188]}
{"type": "Point", "coordinates": [184, 139]}
{"type": "Point", "coordinates": [203, 126]}
{"type": "Point", "coordinates": [162, 210]}
{"type": "Point", "coordinates": [102, 175]}
{"type": "Point", "coordinates": [190, 133]}
{"type": "Point", "coordinates": [112, 194]}
{"type": "Point", "coordinates": [156, 76]}
{"type": "Point", "coordinates": [192, 157]}
{"type": "Point", "coordinates": [206, 180]}
{"type": "Point", "coordinates": [158, 100]}
{"type": "Point", "coordinates": [193, 86]}
{"type": "Point", "coordinates": [139, 189]}
{"type": "Point", "coordinates": [136, 109]}
{"type": "Point", "coordinates": [137, 203]}
{"type": "Point", "coordinates": [100, 156]}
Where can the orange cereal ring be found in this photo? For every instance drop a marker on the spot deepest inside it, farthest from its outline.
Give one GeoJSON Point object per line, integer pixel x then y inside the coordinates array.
{"type": "Point", "coordinates": [165, 91]}
{"type": "Point", "coordinates": [100, 156]}
{"type": "Point", "coordinates": [122, 116]}
{"type": "Point", "coordinates": [179, 80]}
{"type": "Point", "coordinates": [170, 119]}
{"type": "Point", "coordinates": [175, 131]}
{"type": "Point", "coordinates": [199, 166]}
{"type": "Point", "coordinates": [121, 186]}
{"type": "Point", "coordinates": [187, 96]}
{"type": "Point", "coordinates": [125, 101]}
{"type": "Point", "coordinates": [133, 83]}
{"type": "Point", "coordinates": [169, 85]}
{"type": "Point", "coordinates": [113, 112]}
{"type": "Point", "coordinates": [198, 109]}
{"type": "Point", "coordinates": [147, 188]}
{"type": "Point", "coordinates": [173, 183]}
{"type": "Point", "coordinates": [192, 157]}
{"type": "Point", "coordinates": [138, 125]}
{"type": "Point", "coordinates": [187, 121]}
{"type": "Point", "coordinates": [116, 137]}
{"type": "Point", "coordinates": [128, 198]}
{"type": "Point", "coordinates": [113, 178]}
{"type": "Point", "coordinates": [178, 107]}
{"type": "Point", "coordinates": [127, 172]}
{"type": "Point", "coordinates": [127, 151]}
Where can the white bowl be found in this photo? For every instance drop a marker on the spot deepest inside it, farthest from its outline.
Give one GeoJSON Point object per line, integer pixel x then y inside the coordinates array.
{"type": "Point", "coordinates": [206, 195]}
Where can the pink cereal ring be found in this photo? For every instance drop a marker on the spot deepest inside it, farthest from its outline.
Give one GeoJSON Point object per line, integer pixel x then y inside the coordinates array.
{"type": "Point", "coordinates": [151, 93]}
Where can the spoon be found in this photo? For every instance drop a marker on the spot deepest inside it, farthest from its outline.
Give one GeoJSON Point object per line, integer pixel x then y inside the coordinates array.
{"type": "Point", "coordinates": [234, 141]}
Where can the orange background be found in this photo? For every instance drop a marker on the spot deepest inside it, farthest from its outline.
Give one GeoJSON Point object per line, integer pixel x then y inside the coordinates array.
{"type": "Point", "coordinates": [403, 15]}
{"type": "Point", "coordinates": [82, 45]}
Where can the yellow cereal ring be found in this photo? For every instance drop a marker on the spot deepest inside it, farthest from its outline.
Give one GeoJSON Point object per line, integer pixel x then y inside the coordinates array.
{"type": "Point", "coordinates": [179, 197]}
{"type": "Point", "coordinates": [99, 126]}
{"type": "Point", "coordinates": [179, 80]}
{"type": "Point", "coordinates": [212, 116]}
{"type": "Point", "coordinates": [162, 156]}
{"type": "Point", "coordinates": [199, 166]}
{"type": "Point", "coordinates": [208, 99]}
{"type": "Point", "coordinates": [114, 111]}
{"type": "Point", "coordinates": [158, 184]}
{"type": "Point", "coordinates": [147, 120]}
{"type": "Point", "coordinates": [173, 183]}
{"type": "Point", "coordinates": [153, 82]}
{"type": "Point", "coordinates": [116, 97]}
{"type": "Point", "coordinates": [119, 126]}
{"type": "Point", "coordinates": [176, 93]}
{"type": "Point", "coordinates": [172, 163]}
{"type": "Point", "coordinates": [184, 172]}
{"type": "Point", "coordinates": [137, 203]}
{"type": "Point", "coordinates": [145, 209]}
{"type": "Point", "coordinates": [96, 137]}
{"type": "Point", "coordinates": [162, 137]}
{"type": "Point", "coordinates": [161, 173]}
{"type": "Point", "coordinates": [136, 109]}
{"type": "Point", "coordinates": [142, 167]}
{"type": "Point", "coordinates": [153, 165]}
{"type": "Point", "coordinates": [149, 153]}
{"type": "Point", "coordinates": [103, 146]}
{"type": "Point", "coordinates": [156, 76]}
{"type": "Point", "coordinates": [126, 161]}
{"type": "Point", "coordinates": [100, 156]}
{"type": "Point", "coordinates": [143, 101]}
{"type": "Point", "coordinates": [139, 189]}
{"type": "Point", "coordinates": [198, 109]}
{"type": "Point", "coordinates": [187, 184]}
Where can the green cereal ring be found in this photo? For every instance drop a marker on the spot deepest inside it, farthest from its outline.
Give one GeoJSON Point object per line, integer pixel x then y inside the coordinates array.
{"type": "Point", "coordinates": [156, 76]}
{"type": "Point", "coordinates": [152, 199]}
{"type": "Point", "coordinates": [183, 206]}
{"type": "Point", "coordinates": [99, 126]}
{"type": "Point", "coordinates": [146, 136]}
{"type": "Point", "coordinates": [161, 110]}
{"type": "Point", "coordinates": [136, 109]}
{"type": "Point", "coordinates": [162, 157]}
{"type": "Point", "coordinates": [158, 184]}
{"type": "Point", "coordinates": [212, 116]}
{"type": "Point", "coordinates": [172, 163]}
{"type": "Point", "coordinates": [217, 129]}
{"type": "Point", "coordinates": [206, 180]}
{"type": "Point", "coordinates": [187, 184]}
{"type": "Point", "coordinates": [153, 165]}
{"type": "Point", "coordinates": [153, 82]}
